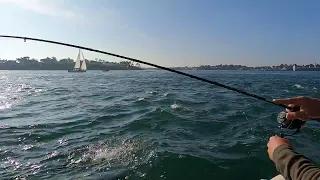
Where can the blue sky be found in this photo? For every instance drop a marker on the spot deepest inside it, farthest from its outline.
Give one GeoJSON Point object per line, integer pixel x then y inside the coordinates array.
{"type": "Point", "coordinates": [167, 32]}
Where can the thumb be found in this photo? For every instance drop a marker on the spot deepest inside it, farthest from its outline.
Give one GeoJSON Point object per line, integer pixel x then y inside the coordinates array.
{"type": "Point", "coordinates": [297, 115]}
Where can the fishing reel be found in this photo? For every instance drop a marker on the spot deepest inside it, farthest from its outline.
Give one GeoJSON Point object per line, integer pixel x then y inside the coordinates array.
{"type": "Point", "coordinates": [289, 124]}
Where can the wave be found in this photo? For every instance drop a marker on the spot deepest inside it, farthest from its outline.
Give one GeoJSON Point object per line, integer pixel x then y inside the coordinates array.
{"type": "Point", "coordinates": [299, 86]}
{"type": "Point", "coordinates": [116, 127]}
{"type": "Point", "coordinates": [175, 106]}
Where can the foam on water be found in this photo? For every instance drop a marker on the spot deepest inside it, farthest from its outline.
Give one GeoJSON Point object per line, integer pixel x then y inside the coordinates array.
{"type": "Point", "coordinates": [299, 86]}
{"type": "Point", "coordinates": [150, 92]}
{"type": "Point", "coordinates": [124, 153]}
{"type": "Point", "coordinates": [63, 141]}
{"type": "Point", "coordinates": [175, 106]}
{"type": "Point", "coordinates": [27, 147]}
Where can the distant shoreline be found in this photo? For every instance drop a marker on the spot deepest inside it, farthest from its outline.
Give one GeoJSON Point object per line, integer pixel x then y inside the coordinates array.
{"type": "Point", "coordinates": [146, 69]}
{"type": "Point", "coordinates": [51, 63]}
{"type": "Point", "coordinates": [67, 70]}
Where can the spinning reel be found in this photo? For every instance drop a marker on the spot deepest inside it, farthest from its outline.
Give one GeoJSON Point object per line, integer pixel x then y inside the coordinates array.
{"type": "Point", "coordinates": [289, 124]}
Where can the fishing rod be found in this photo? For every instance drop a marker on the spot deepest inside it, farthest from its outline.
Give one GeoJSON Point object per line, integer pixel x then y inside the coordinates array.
{"type": "Point", "coordinates": [284, 123]}
{"type": "Point", "coordinates": [151, 64]}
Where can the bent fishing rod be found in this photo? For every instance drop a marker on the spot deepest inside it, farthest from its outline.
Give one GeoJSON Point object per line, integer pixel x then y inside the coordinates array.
{"type": "Point", "coordinates": [281, 118]}
{"type": "Point", "coordinates": [150, 64]}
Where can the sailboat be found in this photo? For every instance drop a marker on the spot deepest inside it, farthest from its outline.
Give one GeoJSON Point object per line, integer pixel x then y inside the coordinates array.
{"type": "Point", "coordinates": [294, 68]}
{"type": "Point", "coordinates": [80, 65]}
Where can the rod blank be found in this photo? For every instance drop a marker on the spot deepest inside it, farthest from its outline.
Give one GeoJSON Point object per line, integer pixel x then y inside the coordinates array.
{"type": "Point", "coordinates": [150, 64]}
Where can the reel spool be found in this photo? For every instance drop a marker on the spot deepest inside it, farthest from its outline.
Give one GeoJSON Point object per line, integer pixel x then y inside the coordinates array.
{"type": "Point", "coordinates": [289, 124]}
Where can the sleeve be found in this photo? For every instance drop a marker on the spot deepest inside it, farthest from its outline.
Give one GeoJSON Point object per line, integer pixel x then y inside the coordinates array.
{"type": "Point", "coordinates": [294, 166]}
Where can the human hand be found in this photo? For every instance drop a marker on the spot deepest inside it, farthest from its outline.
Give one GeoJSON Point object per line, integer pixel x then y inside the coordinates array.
{"type": "Point", "coordinates": [274, 142]}
{"type": "Point", "coordinates": [309, 108]}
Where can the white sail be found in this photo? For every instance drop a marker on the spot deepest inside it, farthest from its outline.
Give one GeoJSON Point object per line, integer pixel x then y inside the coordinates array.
{"type": "Point", "coordinates": [83, 65]}
{"type": "Point", "coordinates": [78, 62]}
{"type": "Point", "coordinates": [294, 68]}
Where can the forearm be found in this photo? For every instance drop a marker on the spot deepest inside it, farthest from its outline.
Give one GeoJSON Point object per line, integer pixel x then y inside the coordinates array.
{"type": "Point", "coordinates": [294, 166]}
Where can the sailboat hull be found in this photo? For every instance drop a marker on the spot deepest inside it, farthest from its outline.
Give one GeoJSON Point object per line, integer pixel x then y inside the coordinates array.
{"type": "Point", "coordinates": [76, 70]}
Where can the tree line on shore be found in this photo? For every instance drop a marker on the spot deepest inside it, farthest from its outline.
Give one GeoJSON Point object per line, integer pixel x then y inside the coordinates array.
{"type": "Point", "coordinates": [283, 67]}
{"type": "Point", "coordinates": [52, 63]}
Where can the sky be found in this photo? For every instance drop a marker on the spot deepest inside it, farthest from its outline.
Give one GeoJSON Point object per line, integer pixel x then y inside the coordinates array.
{"type": "Point", "coordinates": [166, 32]}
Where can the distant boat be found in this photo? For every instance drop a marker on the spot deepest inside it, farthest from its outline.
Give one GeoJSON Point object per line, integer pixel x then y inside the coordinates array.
{"type": "Point", "coordinates": [294, 68]}
{"type": "Point", "coordinates": [80, 65]}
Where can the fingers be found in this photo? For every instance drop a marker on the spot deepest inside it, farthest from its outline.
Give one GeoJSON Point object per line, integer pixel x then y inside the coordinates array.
{"type": "Point", "coordinates": [293, 107]}
{"type": "Point", "coordinates": [296, 101]}
{"type": "Point", "coordinates": [274, 142]}
{"type": "Point", "coordinates": [297, 115]}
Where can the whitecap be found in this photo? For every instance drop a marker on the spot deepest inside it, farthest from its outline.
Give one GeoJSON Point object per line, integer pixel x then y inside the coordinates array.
{"type": "Point", "coordinates": [38, 90]}
{"type": "Point", "coordinates": [20, 178]}
{"type": "Point", "coordinates": [165, 94]}
{"type": "Point", "coordinates": [175, 106]}
{"type": "Point", "coordinates": [25, 86]}
{"type": "Point", "coordinates": [285, 90]}
{"type": "Point", "coordinates": [62, 141]}
{"type": "Point", "coordinates": [27, 147]}
{"type": "Point", "coordinates": [140, 99]}
{"type": "Point", "coordinates": [298, 86]}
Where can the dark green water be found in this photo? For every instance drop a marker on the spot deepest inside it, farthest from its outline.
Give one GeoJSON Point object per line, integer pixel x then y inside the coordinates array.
{"type": "Point", "coordinates": [145, 124]}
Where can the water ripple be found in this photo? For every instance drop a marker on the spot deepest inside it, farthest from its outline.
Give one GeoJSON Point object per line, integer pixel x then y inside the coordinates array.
{"type": "Point", "coordinates": [144, 124]}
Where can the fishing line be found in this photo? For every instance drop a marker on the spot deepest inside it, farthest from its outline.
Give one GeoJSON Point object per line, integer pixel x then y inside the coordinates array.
{"type": "Point", "coordinates": [154, 65]}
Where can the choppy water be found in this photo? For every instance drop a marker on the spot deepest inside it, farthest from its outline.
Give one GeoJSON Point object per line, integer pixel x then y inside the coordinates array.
{"type": "Point", "coordinates": [145, 124]}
